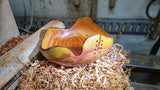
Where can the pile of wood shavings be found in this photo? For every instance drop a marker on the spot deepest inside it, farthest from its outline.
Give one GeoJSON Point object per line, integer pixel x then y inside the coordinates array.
{"type": "Point", "coordinates": [106, 73]}
{"type": "Point", "coordinates": [12, 43]}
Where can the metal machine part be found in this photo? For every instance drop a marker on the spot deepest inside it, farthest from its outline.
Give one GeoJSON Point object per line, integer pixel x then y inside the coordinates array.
{"type": "Point", "coordinates": [145, 68]}
{"type": "Point", "coordinates": [140, 63]}
{"type": "Point", "coordinates": [135, 26]}
{"type": "Point", "coordinates": [154, 30]}
{"type": "Point", "coordinates": [147, 11]}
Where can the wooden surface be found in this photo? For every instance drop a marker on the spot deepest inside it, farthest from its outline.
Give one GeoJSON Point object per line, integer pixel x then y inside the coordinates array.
{"type": "Point", "coordinates": [94, 10]}
{"type": "Point", "coordinates": [13, 61]}
{"type": "Point", "coordinates": [8, 27]}
{"type": "Point", "coordinates": [81, 44]}
{"type": "Point", "coordinates": [10, 64]}
{"type": "Point", "coordinates": [74, 37]}
{"type": "Point", "coordinates": [112, 3]}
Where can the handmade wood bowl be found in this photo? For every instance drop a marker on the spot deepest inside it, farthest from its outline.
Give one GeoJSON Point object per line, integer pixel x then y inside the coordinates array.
{"type": "Point", "coordinates": [81, 44]}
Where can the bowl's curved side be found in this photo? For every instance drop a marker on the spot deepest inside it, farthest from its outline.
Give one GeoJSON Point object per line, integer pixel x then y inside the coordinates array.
{"type": "Point", "coordinates": [83, 43]}
{"type": "Point", "coordinates": [92, 50]}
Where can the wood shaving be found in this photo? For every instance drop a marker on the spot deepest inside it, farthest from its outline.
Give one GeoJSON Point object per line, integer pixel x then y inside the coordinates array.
{"type": "Point", "coordinates": [12, 43]}
{"type": "Point", "coordinates": [105, 74]}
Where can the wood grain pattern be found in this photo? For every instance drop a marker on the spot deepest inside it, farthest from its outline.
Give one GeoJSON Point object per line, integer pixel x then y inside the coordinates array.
{"type": "Point", "coordinates": [83, 37]}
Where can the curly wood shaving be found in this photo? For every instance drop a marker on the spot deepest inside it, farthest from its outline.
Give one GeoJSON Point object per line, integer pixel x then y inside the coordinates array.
{"type": "Point", "coordinates": [106, 73]}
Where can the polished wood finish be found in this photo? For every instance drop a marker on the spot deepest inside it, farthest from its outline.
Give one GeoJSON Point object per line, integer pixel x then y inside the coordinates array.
{"type": "Point", "coordinates": [74, 37]}
{"type": "Point", "coordinates": [82, 38]}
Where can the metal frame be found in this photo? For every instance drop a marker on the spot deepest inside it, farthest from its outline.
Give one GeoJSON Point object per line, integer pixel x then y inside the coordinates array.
{"type": "Point", "coordinates": [23, 51]}
{"type": "Point", "coordinates": [112, 26]}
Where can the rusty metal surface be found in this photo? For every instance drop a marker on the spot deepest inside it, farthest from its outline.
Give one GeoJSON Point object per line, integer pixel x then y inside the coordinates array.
{"type": "Point", "coordinates": [140, 86]}
{"type": "Point", "coordinates": [14, 60]}
{"type": "Point", "coordinates": [145, 61]}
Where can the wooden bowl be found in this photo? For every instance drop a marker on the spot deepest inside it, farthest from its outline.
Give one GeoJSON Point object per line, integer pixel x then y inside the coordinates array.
{"type": "Point", "coordinates": [81, 44]}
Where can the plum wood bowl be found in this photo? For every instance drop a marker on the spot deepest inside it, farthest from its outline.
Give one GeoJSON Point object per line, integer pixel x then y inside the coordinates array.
{"type": "Point", "coordinates": [81, 44]}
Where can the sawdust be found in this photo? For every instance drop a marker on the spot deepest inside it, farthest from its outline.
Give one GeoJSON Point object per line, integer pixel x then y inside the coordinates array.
{"type": "Point", "coordinates": [12, 43]}
{"type": "Point", "coordinates": [106, 73]}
